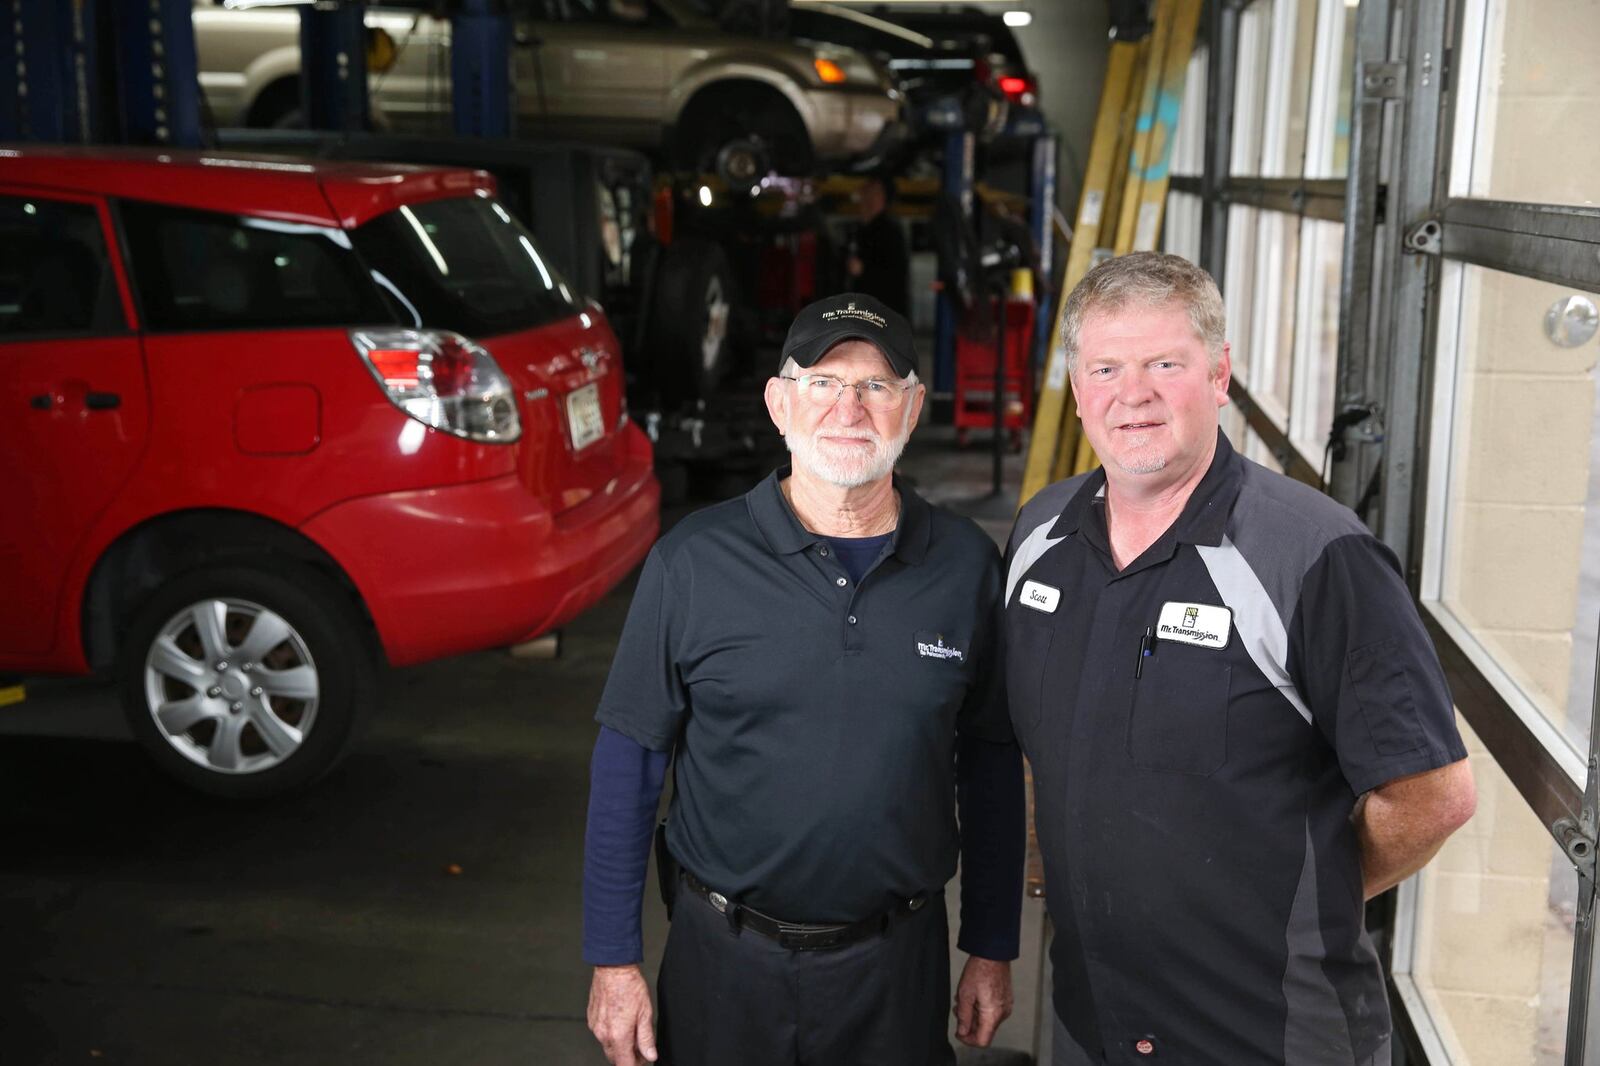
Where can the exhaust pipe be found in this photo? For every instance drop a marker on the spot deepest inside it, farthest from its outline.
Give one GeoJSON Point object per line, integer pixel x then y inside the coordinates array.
{"type": "Point", "coordinates": [547, 646]}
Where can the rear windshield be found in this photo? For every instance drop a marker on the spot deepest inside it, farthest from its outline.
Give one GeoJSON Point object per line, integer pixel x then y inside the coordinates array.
{"type": "Point", "coordinates": [466, 265]}
{"type": "Point", "coordinates": [202, 270]}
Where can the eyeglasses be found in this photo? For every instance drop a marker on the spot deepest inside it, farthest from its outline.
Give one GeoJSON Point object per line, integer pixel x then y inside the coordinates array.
{"type": "Point", "coordinates": [824, 390]}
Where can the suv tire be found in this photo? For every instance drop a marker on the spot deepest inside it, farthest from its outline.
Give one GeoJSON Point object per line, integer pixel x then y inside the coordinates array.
{"type": "Point", "coordinates": [260, 677]}
{"type": "Point", "coordinates": [690, 318]}
{"type": "Point", "coordinates": [741, 135]}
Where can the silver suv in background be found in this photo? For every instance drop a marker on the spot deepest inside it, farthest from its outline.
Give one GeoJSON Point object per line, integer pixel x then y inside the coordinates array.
{"type": "Point", "coordinates": [652, 74]}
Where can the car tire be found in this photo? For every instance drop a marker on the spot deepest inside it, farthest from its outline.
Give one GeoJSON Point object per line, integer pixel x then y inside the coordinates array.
{"type": "Point", "coordinates": [740, 140]}
{"type": "Point", "coordinates": [245, 683]}
{"type": "Point", "coordinates": [695, 295]}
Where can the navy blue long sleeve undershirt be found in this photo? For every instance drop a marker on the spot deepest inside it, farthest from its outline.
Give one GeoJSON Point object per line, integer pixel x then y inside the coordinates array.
{"type": "Point", "coordinates": [625, 790]}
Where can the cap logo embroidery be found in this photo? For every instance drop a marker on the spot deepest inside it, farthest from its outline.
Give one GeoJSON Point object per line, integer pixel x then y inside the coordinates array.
{"type": "Point", "coordinates": [859, 315]}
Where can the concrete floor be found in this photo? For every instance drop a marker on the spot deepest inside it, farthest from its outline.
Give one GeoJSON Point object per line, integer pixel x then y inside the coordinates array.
{"type": "Point", "coordinates": [142, 924]}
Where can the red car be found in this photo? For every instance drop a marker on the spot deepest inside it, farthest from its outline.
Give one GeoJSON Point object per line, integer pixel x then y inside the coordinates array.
{"type": "Point", "coordinates": [270, 424]}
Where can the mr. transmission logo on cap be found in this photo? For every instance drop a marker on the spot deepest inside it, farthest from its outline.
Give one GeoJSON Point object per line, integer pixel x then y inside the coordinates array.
{"type": "Point", "coordinates": [858, 314]}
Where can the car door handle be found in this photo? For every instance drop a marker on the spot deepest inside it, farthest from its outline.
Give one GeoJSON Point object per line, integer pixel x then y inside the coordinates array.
{"type": "Point", "coordinates": [102, 401]}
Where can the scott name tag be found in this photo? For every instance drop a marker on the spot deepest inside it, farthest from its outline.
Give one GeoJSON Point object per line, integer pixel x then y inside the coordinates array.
{"type": "Point", "coordinates": [1039, 597]}
{"type": "Point", "coordinates": [1201, 624]}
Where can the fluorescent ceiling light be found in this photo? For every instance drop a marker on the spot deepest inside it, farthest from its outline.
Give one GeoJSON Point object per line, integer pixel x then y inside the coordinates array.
{"type": "Point", "coordinates": [1017, 18]}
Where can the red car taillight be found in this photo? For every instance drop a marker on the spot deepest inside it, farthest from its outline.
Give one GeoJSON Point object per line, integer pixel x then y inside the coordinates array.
{"type": "Point", "coordinates": [1013, 86]}
{"type": "Point", "coordinates": [443, 380]}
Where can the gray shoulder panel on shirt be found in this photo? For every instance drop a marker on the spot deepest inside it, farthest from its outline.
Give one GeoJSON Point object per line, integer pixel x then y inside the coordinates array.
{"type": "Point", "coordinates": [1281, 527]}
{"type": "Point", "coordinates": [1030, 536]}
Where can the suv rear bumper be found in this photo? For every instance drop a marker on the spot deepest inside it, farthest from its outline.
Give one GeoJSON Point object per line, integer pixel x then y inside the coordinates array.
{"type": "Point", "coordinates": [486, 564]}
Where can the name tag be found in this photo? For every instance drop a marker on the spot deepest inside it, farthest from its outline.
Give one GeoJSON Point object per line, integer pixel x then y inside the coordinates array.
{"type": "Point", "coordinates": [1039, 597]}
{"type": "Point", "coordinates": [1202, 624]}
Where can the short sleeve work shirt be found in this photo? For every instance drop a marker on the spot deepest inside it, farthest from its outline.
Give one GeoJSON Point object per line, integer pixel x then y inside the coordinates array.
{"type": "Point", "coordinates": [813, 720]}
{"type": "Point", "coordinates": [1194, 803]}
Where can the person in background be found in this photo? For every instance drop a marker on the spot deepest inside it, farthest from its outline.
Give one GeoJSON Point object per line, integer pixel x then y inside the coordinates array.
{"type": "Point", "coordinates": [878, 262]}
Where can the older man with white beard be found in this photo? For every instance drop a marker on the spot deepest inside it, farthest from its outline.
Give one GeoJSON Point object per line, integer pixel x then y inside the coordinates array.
{"type": "Point", "coordinates": [818, 658]}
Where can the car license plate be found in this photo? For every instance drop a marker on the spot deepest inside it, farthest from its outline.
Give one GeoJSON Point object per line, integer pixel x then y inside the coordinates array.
{"type": "Point", "coordinates": [583, 416]}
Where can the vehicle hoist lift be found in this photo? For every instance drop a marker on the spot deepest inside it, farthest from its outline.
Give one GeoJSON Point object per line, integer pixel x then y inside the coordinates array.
{"type": "Point", "coordinates": [126, 71]}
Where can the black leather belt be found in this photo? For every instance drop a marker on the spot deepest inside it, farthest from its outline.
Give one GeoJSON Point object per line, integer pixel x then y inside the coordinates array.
{"type": "Point", "coordinates": [797, 936]}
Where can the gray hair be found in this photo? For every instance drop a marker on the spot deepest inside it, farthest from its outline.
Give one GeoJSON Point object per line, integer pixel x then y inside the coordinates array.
{"type": "Point", "coordinates": [1150, 280]}
{"type": "Point", "coordinates": [792, 369]}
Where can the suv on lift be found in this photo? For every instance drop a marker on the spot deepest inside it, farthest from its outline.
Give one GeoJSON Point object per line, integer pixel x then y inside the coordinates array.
{"type": "Point", "coordinates": [641, 73]}
{"type": "Point", "coordinates": [276, 422]}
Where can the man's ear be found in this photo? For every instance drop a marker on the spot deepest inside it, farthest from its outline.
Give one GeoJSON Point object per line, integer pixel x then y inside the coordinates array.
{"type": "Point", "coordinates": [777, 398]}
{"type": "Point", "coordinates": [1223, 374]}
{"type": "Point", "coordinates": [918, 395]}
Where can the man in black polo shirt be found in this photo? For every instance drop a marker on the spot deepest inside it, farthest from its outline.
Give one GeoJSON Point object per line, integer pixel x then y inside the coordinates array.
{"type": "Point", "coordinates": [819, 658]}
{"type": "Point", "coordinates": [1238, 728]}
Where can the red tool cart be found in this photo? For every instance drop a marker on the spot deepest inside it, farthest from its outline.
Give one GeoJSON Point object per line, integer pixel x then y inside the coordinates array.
{"type": "Point", "coordinates": [975, 372]}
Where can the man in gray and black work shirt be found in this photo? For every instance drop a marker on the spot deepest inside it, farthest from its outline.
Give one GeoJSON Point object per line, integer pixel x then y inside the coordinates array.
{"type": "Point", "coordinates": [819, 657]}
{"type": "Point", "coordinates": [1238, 728]}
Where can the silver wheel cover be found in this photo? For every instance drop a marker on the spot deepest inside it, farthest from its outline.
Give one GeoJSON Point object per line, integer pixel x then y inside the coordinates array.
{"type": "Point", "coordinates": [231, 686]}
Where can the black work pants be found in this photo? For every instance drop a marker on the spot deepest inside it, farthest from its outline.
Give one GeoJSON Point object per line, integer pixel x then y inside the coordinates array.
{"type": "Point", "coordinates": [728, 999]}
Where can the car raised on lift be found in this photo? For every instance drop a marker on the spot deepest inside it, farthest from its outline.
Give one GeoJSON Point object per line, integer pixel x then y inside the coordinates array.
{"type": "Point", "coordinates": [648, 74]}
{"type": "Point", "coordinates": [277, 422]}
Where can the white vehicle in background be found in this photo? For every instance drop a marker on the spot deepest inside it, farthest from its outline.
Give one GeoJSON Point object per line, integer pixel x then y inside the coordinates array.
{"type": "Point", "coordinates": [652, 74]}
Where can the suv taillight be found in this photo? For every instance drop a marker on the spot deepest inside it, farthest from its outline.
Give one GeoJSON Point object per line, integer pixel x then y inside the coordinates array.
{"type": "Point", "coordinates": [442, 380]}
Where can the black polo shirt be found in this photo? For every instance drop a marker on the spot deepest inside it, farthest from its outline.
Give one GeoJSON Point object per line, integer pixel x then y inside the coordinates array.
{"type": "Point", "coordinates": [813, 719]}
{"type": "Point", "coordinates": [1193, 804]}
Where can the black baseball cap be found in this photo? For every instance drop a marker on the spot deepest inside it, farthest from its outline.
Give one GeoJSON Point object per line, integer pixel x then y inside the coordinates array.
{"type": "Point", "coordinates": [849, 316]}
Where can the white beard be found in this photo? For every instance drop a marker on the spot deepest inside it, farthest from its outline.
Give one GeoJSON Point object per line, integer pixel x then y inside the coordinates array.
{"type": "Point", "coordinates": [851, 467]}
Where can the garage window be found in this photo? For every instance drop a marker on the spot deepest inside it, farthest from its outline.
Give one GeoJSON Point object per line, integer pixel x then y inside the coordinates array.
{"type": "Point", "coordinates": [55, 277]}
{"type": "Point", "coordinates": [202, 270]}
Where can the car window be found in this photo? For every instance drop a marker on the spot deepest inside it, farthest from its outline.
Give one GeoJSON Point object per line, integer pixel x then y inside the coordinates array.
{"type": "Point", "coordinates": [616, 12]}
{"type": "Point", "coordinates": [466, 264]}
{"type": "Point", "coordinates": [198, 270]}
{"type": "Point", "coordinates": [55, 276]}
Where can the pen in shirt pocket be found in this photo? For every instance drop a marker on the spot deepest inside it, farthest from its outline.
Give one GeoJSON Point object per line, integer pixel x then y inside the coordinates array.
{"type": "Point", "coordinates": [1147, 648]}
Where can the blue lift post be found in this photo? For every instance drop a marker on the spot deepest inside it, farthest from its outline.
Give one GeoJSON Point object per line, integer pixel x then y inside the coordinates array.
{"type": "Point", "coordinates": [1041, 201]}
{"type": "Point", "coordinates": [333, 66]}
{"type": "Point", "coordinates": [957, 180]}
{"type": "Point", "coordinates": [158, 72]}
{"type": "Point", "coordinates": [52, 63]}
{"type": "Point", "coordinates": [481, 102]}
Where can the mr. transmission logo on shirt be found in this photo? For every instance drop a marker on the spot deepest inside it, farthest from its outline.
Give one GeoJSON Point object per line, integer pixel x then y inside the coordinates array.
{"type": "Point", "coordinates": [933, 646]}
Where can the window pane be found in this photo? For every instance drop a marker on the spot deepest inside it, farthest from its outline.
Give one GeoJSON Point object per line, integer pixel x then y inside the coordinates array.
{"type": "Point", "coordinates": [200, 270]}
{"type": "Point", "coordinates": [466, 264]}
{"type": "Point", "coordinates": [1245, 440]}
{"type": "Point", "coordinates": [1181, 226]}
{"type": "Point", "coordinates": [1317, 337]}
{"type": "Point", "coordinates": [1273, 322]}
{"type": "Point", "coordinates": [1250, 87]}
{"type": "Point", "coordinates": [1515, 539]}
{"type": "Point", "coordinates": [1237, 284]}
{"type": "Point", "coordinates": [1288, 89]}
{"type": "Point", "coordinates": [54, 274]}
{"type": "Point", "coordinates": [1493, 952]}
{"type": "Point", "coordinates": [1328, 146]}
{"type": "Point", "coordinates": [1189, 144]}
{"type": "Point", "coordinates": [1537, 90]}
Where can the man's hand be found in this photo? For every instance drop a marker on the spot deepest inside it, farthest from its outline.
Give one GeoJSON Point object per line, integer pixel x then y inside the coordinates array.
{"type": "Point", "coordinates": [1402, 824]}
{"type": "Point", "coordinates": [620, 1015]}
{"type": "Point", "coordinates": [983, 1000]}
